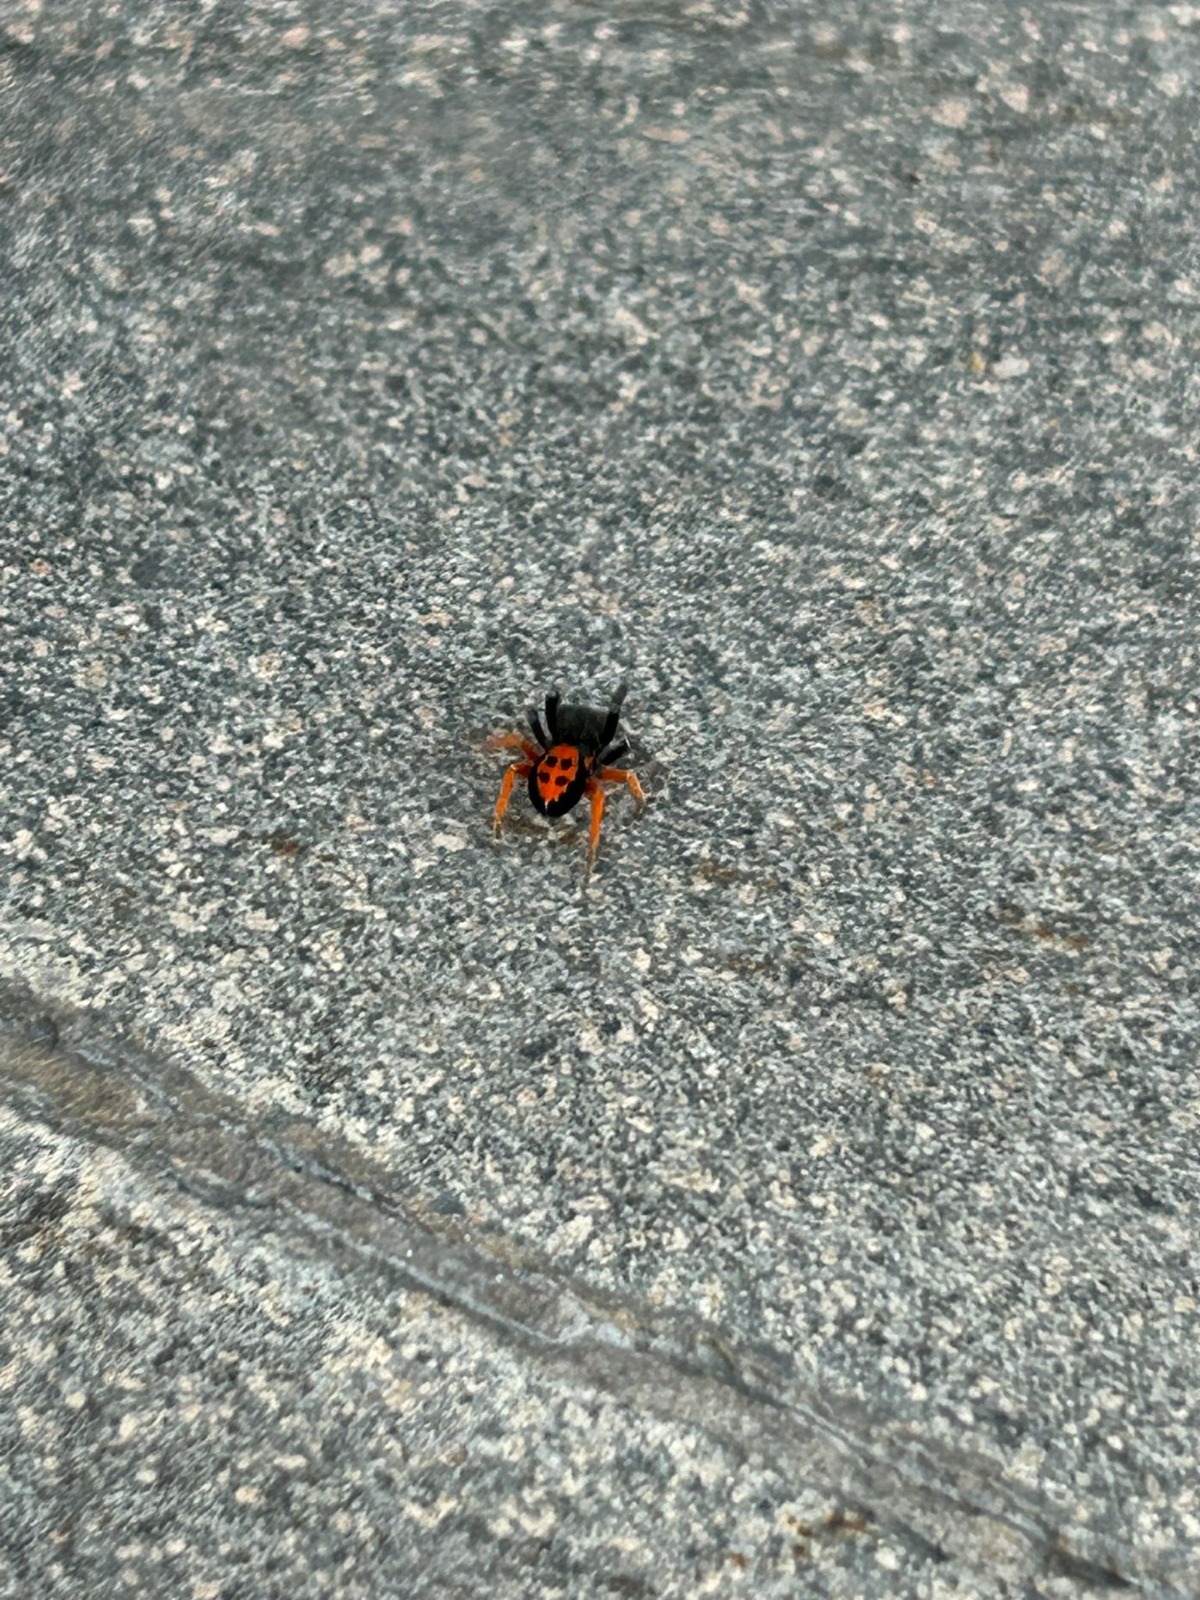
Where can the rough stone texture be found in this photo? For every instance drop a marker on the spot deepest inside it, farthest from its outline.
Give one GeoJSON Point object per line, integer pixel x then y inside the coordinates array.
{"type": "Point", "coordinates": [809, 1205]}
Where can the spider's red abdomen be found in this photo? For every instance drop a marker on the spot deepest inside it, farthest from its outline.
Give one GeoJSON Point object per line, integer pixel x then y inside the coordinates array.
{"type": "Point", "coordinates": [558, 778]}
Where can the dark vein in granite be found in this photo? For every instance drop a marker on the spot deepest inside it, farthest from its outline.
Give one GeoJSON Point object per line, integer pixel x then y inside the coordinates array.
{"type": "Point", "coordinates": [279, 1175]}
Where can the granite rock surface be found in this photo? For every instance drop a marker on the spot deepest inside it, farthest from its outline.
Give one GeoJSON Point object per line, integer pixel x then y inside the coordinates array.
{"type": "Point", "coordinates": [807, 1204]}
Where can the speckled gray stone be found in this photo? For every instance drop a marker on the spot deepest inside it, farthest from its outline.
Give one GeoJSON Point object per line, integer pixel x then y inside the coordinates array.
{"type": "Point", "coordinates": [830, 377]}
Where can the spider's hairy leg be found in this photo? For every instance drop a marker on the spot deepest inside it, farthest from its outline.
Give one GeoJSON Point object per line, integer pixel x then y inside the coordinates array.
{"type": "Point", "coordinates": [539, 733]}
{"type": "Point", "coordinates": [614, 752]}
{"type": "Point", "coordinates": [519, 769]}
{"type": "Point", "coordinates": [620, 775]}
{"type": "Point", "coordinates": [513, 741]}
{"type": "Point", "coordinates": [596, 795]}
{"type": "Point", "coordinates": [614, 714]}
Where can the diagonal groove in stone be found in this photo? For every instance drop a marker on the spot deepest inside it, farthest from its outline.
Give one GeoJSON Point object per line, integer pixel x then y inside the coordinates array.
{"type": "Point", "coordinates": [284, 1177]}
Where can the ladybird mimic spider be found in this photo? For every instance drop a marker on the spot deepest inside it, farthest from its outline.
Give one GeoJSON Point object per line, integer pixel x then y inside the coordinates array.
{"type": "Point", "coordinates": [573, 757]}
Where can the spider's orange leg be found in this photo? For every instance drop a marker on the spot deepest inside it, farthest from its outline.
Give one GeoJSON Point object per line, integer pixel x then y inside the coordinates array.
{"type": "Point", "coordinates": [519, 769]}
{"type": "Point", "coordinates": [596, 795]}
{"type": "Point", "coordinates": [513, 741]}
{"type": "Point", "coordinates": [618, 775]}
